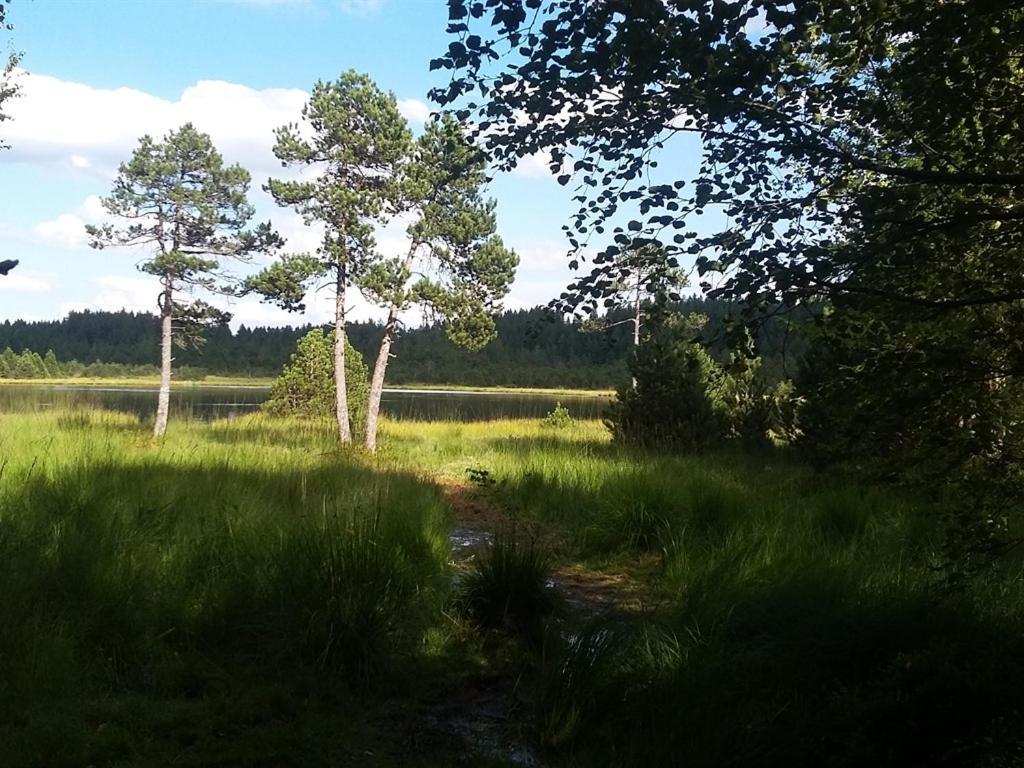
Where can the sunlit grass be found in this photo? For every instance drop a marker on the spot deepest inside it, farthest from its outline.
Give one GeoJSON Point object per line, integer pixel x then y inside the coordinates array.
{"type": "Point", "coordinates": [241, 575]}
{"type": "Point", "coordinates": [186, 568]}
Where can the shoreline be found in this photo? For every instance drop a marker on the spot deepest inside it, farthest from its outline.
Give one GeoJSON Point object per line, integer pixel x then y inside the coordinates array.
{"type": "Point", "coordinates": [228, 382]}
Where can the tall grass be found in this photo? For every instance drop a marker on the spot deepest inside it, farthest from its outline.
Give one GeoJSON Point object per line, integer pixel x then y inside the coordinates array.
{"type": "Point", "coordinates": [244, 550]}
{"type": "Point", "coordinates": [241, 572]}
{"type": "Point", "coordinates": [802, 619]}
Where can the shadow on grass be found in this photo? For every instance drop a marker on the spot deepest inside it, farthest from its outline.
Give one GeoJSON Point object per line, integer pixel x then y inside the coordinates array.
{"type": "Point", "coordinates": [800, 668]}
{"type": "Point", "coordinates": [805, 629]}
{"type": "Point", "coordinates": [156, 611]}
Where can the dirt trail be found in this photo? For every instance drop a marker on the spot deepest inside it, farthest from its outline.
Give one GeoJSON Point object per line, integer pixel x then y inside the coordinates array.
{"type": "Point", "coordinates": [588, 593]}
{"type": "Point", "coordinates": [488, 715]}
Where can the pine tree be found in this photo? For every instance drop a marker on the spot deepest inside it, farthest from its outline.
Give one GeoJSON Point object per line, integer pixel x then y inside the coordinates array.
{"type": "Point", "coordinates": [463, 268]}
{"type": "Point", "coordinates": [177, 197]}
{"type": "Point", "coordinates": [356, 138]}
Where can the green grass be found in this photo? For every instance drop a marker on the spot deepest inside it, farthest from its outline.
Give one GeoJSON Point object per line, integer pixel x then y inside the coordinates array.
{"type": "Point", "coordinates": [214, 380]}
{"type": "Point", "coordinates": [171, 599]}
{"type": "Point", "coordinates": [800, 617]}
{"type": "Point", "coordinates": [506, 587]}
{"type": "Point", "coordinates": [243, 593]}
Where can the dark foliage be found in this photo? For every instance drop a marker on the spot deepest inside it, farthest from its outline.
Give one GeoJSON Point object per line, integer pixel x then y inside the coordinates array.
{"type": "Point", "coordinates": [532, 348]}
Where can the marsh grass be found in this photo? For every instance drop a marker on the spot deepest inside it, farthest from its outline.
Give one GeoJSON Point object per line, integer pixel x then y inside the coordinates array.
{"type": "Point", "coordinates": [191, 569]}
{"type": "Point", "coordinates": [801, 618]}
{"type": "Point", "coordinates": [239, 593]}
{"type": "Point", "coordinates": [507, 587]}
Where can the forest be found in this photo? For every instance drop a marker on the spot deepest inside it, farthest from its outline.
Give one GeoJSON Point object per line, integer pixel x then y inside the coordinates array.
{"type": "Point", "coordinates": [792, 536]}
{"type": "Point", "coordinates": [532, 348]}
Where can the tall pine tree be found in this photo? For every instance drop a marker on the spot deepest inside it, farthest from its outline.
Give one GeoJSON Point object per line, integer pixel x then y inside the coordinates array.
{"type": "Point", "coordinates": [177, 198]}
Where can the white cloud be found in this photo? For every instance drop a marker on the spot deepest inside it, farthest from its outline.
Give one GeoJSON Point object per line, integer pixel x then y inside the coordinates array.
{"type": "Point", "coordinates": [78, 128]}
{"type": "Point", "coordinates": [24, 282]}
{"type": "Point", "coordinates": [116, 292]}
{"type": "Point", "coordinates": [67, 230]}
{"type": "Point", "coordinates": [414, 110]}
{"type": "Point", "coordinates": [537, 166]}
{"type": "Point", "coordinates": [69, 124]}
{"type": "Point", "coordinates": [361, 7]}
{"type": "Point", "coordinates": [543, 273]}
{"type": "Point", "coordinates": [92, 209]}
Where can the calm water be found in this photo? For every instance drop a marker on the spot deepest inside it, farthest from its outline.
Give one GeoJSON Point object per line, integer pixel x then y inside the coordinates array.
{"type": "Point", "coordinates": [209, 402]}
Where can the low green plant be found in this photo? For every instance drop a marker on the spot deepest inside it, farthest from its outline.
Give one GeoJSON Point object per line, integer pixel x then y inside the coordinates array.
{"type": "Point", "coordinates": [482, 478]}
{"type": "Point", "coordinates": [508, 587]}
{"type": "Point", "coordinates": [558, 418]}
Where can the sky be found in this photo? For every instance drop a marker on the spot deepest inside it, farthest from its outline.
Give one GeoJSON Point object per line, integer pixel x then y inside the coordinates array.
{"type": "Point", "coordinates": [98, 75]}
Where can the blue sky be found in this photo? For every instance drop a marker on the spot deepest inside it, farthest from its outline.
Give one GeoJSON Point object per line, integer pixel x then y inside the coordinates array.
{"type": "Point", "coordinates": [99, 74]}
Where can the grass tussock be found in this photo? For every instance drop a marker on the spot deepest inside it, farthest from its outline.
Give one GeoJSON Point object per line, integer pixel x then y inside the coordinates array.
{"type": "Point", "coordinates": [508, 587]}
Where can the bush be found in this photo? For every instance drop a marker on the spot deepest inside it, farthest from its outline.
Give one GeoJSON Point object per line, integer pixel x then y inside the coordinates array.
{"type": "Point", "coordinates": [558, 418]}
{"type": "Point", "coordinates": [306, 385]}
{"type": "Point", "coordinates": [671, 403]}
{"type": "Point", "coordinates": [682, 398]}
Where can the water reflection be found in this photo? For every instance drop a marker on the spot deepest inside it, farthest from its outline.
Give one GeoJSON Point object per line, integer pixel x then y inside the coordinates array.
{"type": "Point", "coordinates": [219, 402]}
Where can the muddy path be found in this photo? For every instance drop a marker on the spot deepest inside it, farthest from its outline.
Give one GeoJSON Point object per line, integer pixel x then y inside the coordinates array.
{"type": "Point", "coordinates": [587, 593]}
{"type": "Point", "coordinates": [488, 714]}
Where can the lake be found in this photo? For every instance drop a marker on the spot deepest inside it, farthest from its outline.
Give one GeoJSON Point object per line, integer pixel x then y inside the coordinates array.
{"type": "Point", "coordinates": [217, 402]}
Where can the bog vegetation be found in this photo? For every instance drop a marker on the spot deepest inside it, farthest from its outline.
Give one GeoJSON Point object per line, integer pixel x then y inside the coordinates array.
{"type": "Point", "coordinates": [233, 591]}
{"type": "Point", "coordinates": [795, 538]}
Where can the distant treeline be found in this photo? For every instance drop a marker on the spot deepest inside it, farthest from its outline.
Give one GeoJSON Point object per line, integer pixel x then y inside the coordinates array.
{"type": "Point", "coordinates": [28, 364]}
{"type": "Point", "coordinates": [533, 349]}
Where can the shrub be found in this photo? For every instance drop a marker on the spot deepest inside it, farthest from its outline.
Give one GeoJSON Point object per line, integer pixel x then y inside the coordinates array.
{"type": "Point", "coordinates": [306, 385]}
{"type": "Point", "coordinates": [558, 418]}
{"type": "Point", "coordinates": [671, 402]}
{"type": "Point", "coordinates": [682, 398]}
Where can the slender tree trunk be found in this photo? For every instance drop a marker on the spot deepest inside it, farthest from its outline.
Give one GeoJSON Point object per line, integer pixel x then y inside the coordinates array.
{"type": "Point", "coordinates": [163, 402]}
{"type": "Point", "coordinates": [340, 385]}
{"type": "Point", "coordinates": [377, 380]}
{"type": "Point", "coordinates": [381, 366]}
{"type": "Point", "coordinates": [636, 326]}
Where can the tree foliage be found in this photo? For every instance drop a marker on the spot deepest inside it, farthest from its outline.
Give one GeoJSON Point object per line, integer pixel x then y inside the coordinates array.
{"type": "Point", "coordinates": [306, 385]}
{"type": "Point", "coordinates": [370, 171]}
{"type": "Point", "coordinates": [685, 400]}
{"type": "Point", "coordinates": [857, 160]}
{"type": "Point", "coordinates": [351, 147]}
{"type": "Point", "coordinates": [8, 61]}
{"type": "Point", "coordinates": [815, 119]}
{"type": "Point", "coordinates": [456, 268]}
{"type": "Point", "coordinates": [354, 138]}
{"type": "Point", "coordinates": [178, 200]}
{"type": "Point", "coordinates": [532, 348]}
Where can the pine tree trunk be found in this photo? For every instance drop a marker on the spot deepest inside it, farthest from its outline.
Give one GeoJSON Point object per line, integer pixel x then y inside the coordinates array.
{"type": "Point", "coordinates": [381, 366]}
{"type": "Point", "coordinates": [377, 381]}
{"type": "Point", "coordinates": [636, 326]}
{"type": "Point", "coordinates": [340, 385]}
{"type": "Point", "coordinates": [163, 402]}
